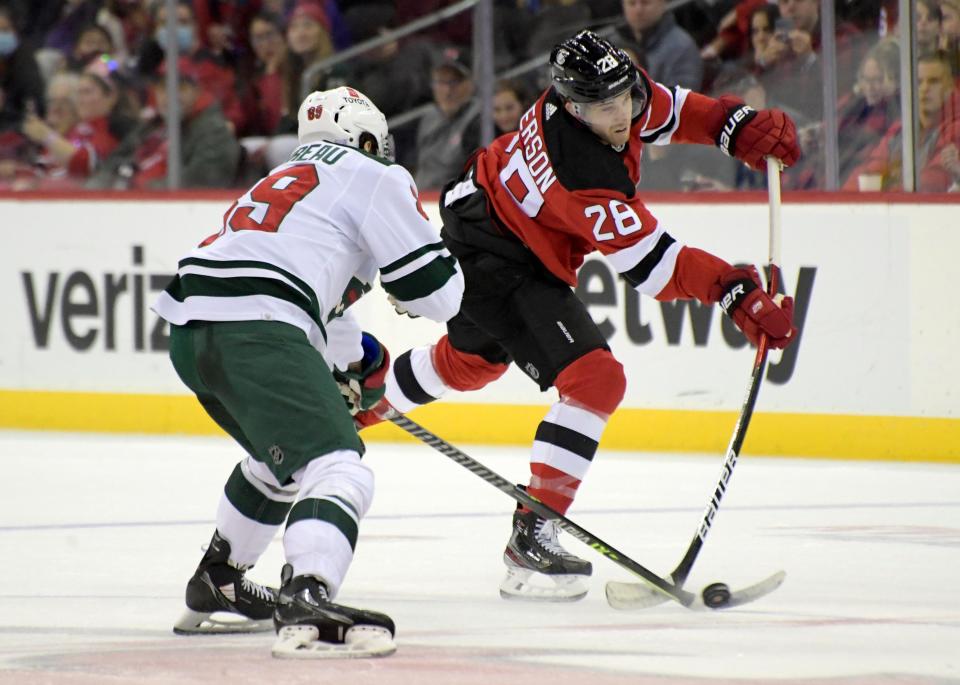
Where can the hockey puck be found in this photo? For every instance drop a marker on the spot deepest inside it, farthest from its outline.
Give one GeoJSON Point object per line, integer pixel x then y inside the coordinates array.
{"type": "Point", "coordinates": [716, 595]}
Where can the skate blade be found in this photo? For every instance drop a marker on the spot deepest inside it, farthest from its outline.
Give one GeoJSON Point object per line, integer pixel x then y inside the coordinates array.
{"type": "Point", "coordinates": [517, 586]}
{"type": "Point", "coordinates": [360, 642]}
{"type": "Point", "coordinates": [204, 623]}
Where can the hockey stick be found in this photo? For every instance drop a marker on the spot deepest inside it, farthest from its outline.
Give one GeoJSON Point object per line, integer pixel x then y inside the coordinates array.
{"type": "Point", "coordinates": [657, 585]}
{"type": "Point", "coordinates": [718, 595]}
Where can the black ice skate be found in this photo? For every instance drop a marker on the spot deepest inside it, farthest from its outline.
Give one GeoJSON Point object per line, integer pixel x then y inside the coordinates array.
{"type": "Point", "coordinates": [221, 587]}
{"type": "Point", "coordinates": [533, 549]}
{"type": "Point", "coordinates": [310, 626]}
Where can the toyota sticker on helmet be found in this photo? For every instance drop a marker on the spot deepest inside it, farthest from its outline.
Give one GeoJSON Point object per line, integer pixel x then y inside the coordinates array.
{"type": "Point", "coordinates": [354, 98]}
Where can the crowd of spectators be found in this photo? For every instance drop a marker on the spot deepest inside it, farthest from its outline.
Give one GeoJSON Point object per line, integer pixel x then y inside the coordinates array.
{"type": "Point", "coordinates": [83, 98]}
{"type": "Point", "coordinates": [769, 53]}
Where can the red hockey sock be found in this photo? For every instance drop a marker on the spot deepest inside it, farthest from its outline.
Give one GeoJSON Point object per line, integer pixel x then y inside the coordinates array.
{"type": "Point", "coordinates": [567, 438]}
{"type": "Point", "coordinates": [552, 486]}
{"type": "Point", "coordinates": [462, 370]}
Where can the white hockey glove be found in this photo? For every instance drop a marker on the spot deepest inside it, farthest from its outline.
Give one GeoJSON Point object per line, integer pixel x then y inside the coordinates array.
{"type": "Point", "coordinates": [364, 384]}
{"type": "Point", "coordinates": [400, 309]}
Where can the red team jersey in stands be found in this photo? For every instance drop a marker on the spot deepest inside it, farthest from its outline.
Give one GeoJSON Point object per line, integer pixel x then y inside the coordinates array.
{"type": "Point", "coordinates": [565, 193]}
{"type": "Point", "coordinates": [94, 143]}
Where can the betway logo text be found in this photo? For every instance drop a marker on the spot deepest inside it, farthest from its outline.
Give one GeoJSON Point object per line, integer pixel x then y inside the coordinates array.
{"type": "Point", "coordinates": [599, 288]}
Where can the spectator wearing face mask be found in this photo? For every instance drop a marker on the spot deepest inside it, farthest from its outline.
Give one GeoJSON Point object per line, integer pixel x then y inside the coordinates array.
{"type": "Point", "coordinates": [212, 73]}
{"type": "Point", "coordinates": [128, 22]}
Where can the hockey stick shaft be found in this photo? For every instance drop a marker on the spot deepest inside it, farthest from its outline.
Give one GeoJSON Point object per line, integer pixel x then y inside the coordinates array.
{"type": "Point", "coordinates": [680, 573]}
{"type": "Point", "coordinates": [773, 192]}
{"type": "Point", "coordinates": [518, 494]}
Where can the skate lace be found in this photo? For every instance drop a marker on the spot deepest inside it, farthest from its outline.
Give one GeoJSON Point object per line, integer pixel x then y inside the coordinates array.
{"type": "Point", "coordinates": [546, 533]}
{"type": "Point", "coordinates": [259, 591]}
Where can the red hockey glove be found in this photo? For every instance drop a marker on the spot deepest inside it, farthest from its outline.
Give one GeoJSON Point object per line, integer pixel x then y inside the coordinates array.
{"type": "Point", "coordinates": [742, 298]}
{"type": "Point", "coordinates": [750, 135]}
{"type": "Point", "coordinates": [371, 417]}
{"type": "Point", "coordinates": [364, 384]}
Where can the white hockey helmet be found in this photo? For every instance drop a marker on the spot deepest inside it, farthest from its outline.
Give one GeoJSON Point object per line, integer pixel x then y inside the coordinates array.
{"type": "Point", "coordinates": [340, 116]}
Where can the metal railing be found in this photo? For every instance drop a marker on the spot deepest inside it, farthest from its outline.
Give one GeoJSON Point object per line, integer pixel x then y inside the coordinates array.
{"type": "Point", "coordinates": [485, 77]}
{"type": "Point", "coordinates": [531, 64]}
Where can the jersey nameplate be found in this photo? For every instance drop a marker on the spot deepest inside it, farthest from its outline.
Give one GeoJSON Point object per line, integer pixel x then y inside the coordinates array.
{"type": "Point", "coordinates": [318, 152]}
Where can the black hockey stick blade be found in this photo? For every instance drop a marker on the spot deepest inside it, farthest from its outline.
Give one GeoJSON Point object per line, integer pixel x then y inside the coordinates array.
{"type": "Point", "coordinates": [630, 596]}
{"type": "Point", "coordinates": [633, 596]}
{"type": "Point", "coordinates": [655, 583]}
{"type": "Point", "coordinates": [621, 595]}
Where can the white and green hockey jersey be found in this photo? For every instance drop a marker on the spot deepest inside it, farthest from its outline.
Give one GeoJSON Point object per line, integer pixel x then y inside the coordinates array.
{"type": "Point", "coordinates": [307, 240]}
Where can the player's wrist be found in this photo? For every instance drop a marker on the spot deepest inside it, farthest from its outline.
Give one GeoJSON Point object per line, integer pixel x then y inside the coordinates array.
{"type": "Point", "coordinates": [738, 115]}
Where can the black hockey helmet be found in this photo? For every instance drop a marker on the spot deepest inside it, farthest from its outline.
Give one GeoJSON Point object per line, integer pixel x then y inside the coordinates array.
{"type": "Point", "coordinates": [588, 68]}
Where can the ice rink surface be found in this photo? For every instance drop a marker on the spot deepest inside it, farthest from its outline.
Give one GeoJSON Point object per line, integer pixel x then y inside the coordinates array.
{"type": "Point", "coordinates": [98, 537]}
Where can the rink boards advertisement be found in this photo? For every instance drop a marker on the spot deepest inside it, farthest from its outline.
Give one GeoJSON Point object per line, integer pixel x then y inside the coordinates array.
{"type": "Point", "coordinates": [873, 375]}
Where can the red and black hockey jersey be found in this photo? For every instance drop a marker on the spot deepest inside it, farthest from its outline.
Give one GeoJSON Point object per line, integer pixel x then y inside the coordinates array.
{"type": "Point", "coordinates": [565, 193]}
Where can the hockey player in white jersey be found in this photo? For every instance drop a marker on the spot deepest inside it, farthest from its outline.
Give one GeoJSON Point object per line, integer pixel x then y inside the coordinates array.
{"type": "Point", "coordinates": [261, 333]}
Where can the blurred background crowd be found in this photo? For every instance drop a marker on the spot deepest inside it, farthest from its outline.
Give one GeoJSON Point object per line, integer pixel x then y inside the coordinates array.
{"type": "Point", "coordinates": [83, 98]}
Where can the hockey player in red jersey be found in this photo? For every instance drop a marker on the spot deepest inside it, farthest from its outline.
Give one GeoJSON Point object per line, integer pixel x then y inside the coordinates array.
{"type": "Point", "coordinates": [520, 220]}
